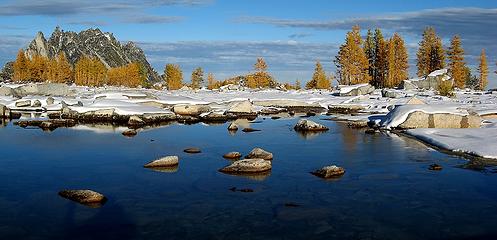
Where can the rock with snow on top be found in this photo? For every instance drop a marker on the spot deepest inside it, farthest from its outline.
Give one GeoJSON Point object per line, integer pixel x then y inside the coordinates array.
{"type": "Point", "coordinates": [329, 172]}
{"type": "Point", "coordinates": [233, 127]}
{"type": "Point", "coordinates": [308, 125]}
{"type": "Point", "coordinates": [244, 107]}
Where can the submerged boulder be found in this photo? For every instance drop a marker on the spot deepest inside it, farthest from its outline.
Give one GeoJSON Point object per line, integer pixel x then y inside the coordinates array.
{"type": "Point", "coordinates": [260, 153]}
{"type": "Point", "coordinates": [308, 125]}
{"type": "Point", "coordinates": [83, 196]}
{"type": "Point", "coordinates": [329, 172]}
{"type": "Point", "coordinates": [169, 161]}
{"type": "Point", "coordinates": [129, 132]}
{"type": "Point", "coordinates": [192, 150]}
{"type": "Point", "coordinates": [248, 166]}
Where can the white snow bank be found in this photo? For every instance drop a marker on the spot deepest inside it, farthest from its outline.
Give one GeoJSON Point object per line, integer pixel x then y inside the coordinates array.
{"type": "Point", "coordinates": [120, 107]}
{"type": "Point", "coordinates": [400, 113]}
{"type": "Point", "coordinates": [476, 141]}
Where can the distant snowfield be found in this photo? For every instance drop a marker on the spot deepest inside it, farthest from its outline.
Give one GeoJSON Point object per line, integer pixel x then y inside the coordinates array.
{"type": "Point", "coordinates": [481, 142]}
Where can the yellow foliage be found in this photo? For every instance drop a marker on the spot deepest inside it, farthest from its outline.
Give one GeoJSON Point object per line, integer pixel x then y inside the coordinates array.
{"type": "Point", "coordinates": [21, 67]}
{"type": "Point", "coordinates": [129, 75]}
{"type": "Point", "coordinates": [173, 77]}
{"type": "Point", "coordinates": [352, 62]}
{"type": "Point", "coordinates": [90, 72]}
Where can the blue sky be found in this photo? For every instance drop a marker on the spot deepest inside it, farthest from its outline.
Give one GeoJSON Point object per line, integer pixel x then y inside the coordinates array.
{"type": "Point", "coordinates": [226, 36]}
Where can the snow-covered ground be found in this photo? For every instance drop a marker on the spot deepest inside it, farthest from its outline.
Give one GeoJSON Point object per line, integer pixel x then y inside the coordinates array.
{"type": "Point", "coordinates": [125, 101]}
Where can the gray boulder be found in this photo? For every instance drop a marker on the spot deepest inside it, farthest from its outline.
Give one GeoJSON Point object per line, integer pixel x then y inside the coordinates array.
{"type": "Point", "coordinates": [244, 107]}
{"type": "Point", "coordinates": [247, 166]}
{"type": "Point", "coordinates": [419, 119]}
{"type": "Point", "coordinates": [259, 153]}
{"type": "Point", "coordinates": [50, 101]}
{"type": "Point", "coordinates": [23, 103]}
{"type": "Point", "coordinates": [391, 93]}
{"type": "Point", "coordinates": [36, 103]}
{"type": "Point", "coordinates": [191, 110]}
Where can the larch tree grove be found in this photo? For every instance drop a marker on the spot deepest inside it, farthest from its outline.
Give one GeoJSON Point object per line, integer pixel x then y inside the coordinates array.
{"type": "Point", "coordinates": [398, 66]}
{"type": "Point", "coordinates": [430, 55]}
{"type": "Point", "coordinates": [173, 76]}
{"type": "Point", "coordinates": [351, 61]}
{"type": "Point", "coordinates": [90, 71]}
{"type": "Point", "coordinates": [457, 66]}
{"type": "Point", "coordinates": [483, 70]}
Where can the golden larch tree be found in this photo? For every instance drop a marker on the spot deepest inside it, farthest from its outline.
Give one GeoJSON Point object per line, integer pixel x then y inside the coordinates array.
{"type": "Point", "coordinates": [319, 79]}
{"type": "Point", "coordinates": [37, 68]}
{"type": "Point", "coordinates": [90, 72]}
{"type": "Point", "coordinates": [430, 55]}
{"type": "Point", "coordinates": [351, 61]}
{"type": "Point", "coordinates": [398, 66]}
{"type": "Point", "coordinates": [483, 70]}
{"type": "Point", "coordinates": [173, 76]}
{"type": "Point", "coordinates": [212, 83]}
{"type": "Point", "coordinates": [457, 66]}
{"type": "Point", "coordinates": [260, 78]}
{"type": "Point", "coordinates": [21, 67]}
{"type": "Point", "coordinates": [65, 72]}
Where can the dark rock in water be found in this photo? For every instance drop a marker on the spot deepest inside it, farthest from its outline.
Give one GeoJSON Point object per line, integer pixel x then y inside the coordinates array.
{"type": "Point", "coordinates": [310, 114]}
{"type": "Point", "coordinates": [232, 155]}
{"type": "Point", "coordinates": [51, 124]}
{"type": "Point", "coordinates": [291, 113]}
{"type": "Point", "coordinates": [247, 166]}
{"type": "Point", "coordinates": [357, 124]}
{"type": "Point", "coordinates": [87, 197]}
{"type": "Point", "coordinates": [329, 172]}
{"type": "Point", "coordinates": [192, 150]}
{"type": "Point", "coordinates": [435, 167]}
{"type": "Point", "coordinates": [307, 125]}
{"type": "Point", "coordinates": [259, 153]}
{"type": "Point", "coordinates": [275, 117]}
{"type": "Point", "coordinates": [245, 190]}
{"type": "Point", "coordinates": [247, 130]}
{"type": "Point", "coordinates": [168, 161]}
{"type": "Point", "coordinates": [93, 43]}
{"type": "Point", "coordinates": [233, 127]}
{"type": "Point", "coordinates": [130, 132]}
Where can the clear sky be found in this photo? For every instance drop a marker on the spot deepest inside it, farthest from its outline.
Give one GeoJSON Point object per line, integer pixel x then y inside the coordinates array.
{"type": "Point", "coordinates": [225, 36]}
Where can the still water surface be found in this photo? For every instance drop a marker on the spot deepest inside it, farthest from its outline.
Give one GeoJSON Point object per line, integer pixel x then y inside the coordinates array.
{"type": "Point", "coordinates": [387, 191]}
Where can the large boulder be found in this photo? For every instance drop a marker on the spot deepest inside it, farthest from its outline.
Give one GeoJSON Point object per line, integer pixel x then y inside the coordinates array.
{"type": "Point", "coordinates": [190, 110]}
{"type": "Point", "coordinates": [244, 107]}
{"type": "Point", "coordinates": [83, 196]}
{"type": "Point", "coordinates": [308, 125]}
{"type": "Point", "coordinates": [355, 90]}
{"type": "Point", "coordinates": [430, 116]}
{"type": "Point", "coordinates": [247, 166]}
{"type": "Point", "coordinates": [260, 153]}
{"type": "Point", "coordinates": [169, 161]}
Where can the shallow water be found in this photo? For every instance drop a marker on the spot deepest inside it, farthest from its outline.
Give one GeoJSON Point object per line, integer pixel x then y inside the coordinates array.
{"type": "Point", "coordinates": [387, 191]}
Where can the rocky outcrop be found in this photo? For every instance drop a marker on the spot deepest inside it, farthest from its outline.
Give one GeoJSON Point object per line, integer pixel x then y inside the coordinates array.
{"type": "Point", "coordinates": [308, 125]}
{"type": "Point", "coordinates": [329, 172]}
{"type": "Point", "coordinates": [51, 124]}
{"type": "Point", "coordinates": [169, 161]}
{"type": "Point", "coordinates": [83, 196]}
{"type": "Point", "coordinates": [90, 42]}
{"type": "Point", "coordinates": [345, 108]}
{"type": "Point", "coordinates": [429, 82]}
{"type": "Point", "coordinates": [247, 166]}
{"type": "Point", "coordinates": [242, 108]}
{"type": "Point", "coordinates": [392, 93]}
{"type": "Point", "coordinates": [259, 153]}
